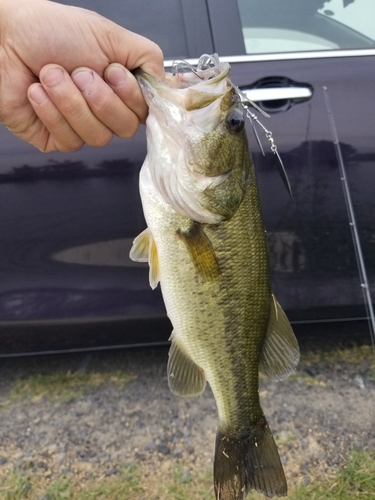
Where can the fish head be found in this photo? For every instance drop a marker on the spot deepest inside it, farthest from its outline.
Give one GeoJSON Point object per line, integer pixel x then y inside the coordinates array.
{"type": "Point", "coordinates": [197, 145]}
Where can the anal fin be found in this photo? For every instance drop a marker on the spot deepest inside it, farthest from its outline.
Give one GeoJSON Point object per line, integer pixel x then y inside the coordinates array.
{"type": "Point", "coordinates": [280, 352]}
{"type": "Point", "coordinates": [185, 377]}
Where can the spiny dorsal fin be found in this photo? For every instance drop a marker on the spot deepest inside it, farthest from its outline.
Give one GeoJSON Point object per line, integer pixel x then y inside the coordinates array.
{"type": "Point", "coordinates": [201, 251]}
{"type": "Point", "coordinates": [280, 352]}
{"type": "Point", "coordinates": [144, 250]}
{"type": "Point", "coordinates": [185, 378]}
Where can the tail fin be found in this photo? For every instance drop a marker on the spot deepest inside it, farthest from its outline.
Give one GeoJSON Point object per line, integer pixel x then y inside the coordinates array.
{"type": "Point", "coordinates": [248, 460]}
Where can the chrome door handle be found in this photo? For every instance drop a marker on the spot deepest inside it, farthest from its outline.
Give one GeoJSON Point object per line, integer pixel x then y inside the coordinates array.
{"type": "Point", "coordinates": [277, 93]}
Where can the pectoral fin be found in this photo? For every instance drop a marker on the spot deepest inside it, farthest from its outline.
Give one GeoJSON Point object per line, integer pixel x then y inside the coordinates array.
{"type": "Point", "coordinates": [201, 251]}
{"type": "Point", "coordinates": [280, 352]}
{"type": "Point", "coordinates": [144, 250]}
{"type": "Point", "coordinates": [185, 378]}
{"type": "Point", "coordinates": [141, 247]}
{"type": "Point", "coordinates": [153, 262]}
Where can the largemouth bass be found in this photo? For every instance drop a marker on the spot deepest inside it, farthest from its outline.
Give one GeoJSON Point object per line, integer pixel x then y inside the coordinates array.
{"type": "Point", "coordinates": [206, 244]}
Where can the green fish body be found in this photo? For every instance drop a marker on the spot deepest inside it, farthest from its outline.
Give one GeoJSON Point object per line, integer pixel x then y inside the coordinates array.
{"type": "Point", "coordinates": [206, 244]}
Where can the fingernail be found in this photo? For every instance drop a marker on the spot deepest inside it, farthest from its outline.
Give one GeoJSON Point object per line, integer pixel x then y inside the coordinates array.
{"type": "Point", "coordinates": [115, 76]}
{"type": "Point", "coordinates": [37, 94]}
{"type": "Point", "coordinates": [83, 78]}
{"type": "Point", "coordinates": [53, 77]}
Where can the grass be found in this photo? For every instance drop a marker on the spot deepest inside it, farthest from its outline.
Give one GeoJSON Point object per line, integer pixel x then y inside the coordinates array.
{"type": "Point", "coordinates": [132, 484]}
{"type": "Point", "coordinates": [307, 380]}
{"type": "Point", "coordinates": [64, 386]}
{"type": "Point", "coordinates": [355, 481]}
{"type": "Point", "coordinates": [357, 356]}
{"type": "Point", "coordinates": [354, 355]}
{"type": "Point", "coordinates": [284, 437]}
{"type": "Point", "coordinates": [31, 486]}
{"type": "Point", "coordinates": [183, 486]}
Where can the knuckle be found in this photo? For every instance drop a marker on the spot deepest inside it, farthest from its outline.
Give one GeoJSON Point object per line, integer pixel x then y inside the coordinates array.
{"type": "Point", "coordinates": [46, 148]}
{"type": "Point", "coordinates": [130, 130]}
{"type": "Point", "coordinates": [72, 107]}
{"type": "Point", "coordinates": [157, 53]}
{"type": "Point", "coordinates": [66, 142]}
{"type": "Point", "coordinates": [101, 104]}
{"type": "Point", "coordinates": [10, 110]}
{"type": "Point", "coordinates": [71, 146]}
{"type": "Point", "coordinates": [101, 139]}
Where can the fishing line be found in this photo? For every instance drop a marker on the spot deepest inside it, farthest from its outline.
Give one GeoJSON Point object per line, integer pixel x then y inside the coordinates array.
{"type": "Point", "coordinates": [246, 103]}
{"type": "Point", "coordinates": [352, 221]}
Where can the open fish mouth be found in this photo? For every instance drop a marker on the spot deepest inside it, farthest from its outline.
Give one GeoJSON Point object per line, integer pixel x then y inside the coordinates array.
{"type": "Point", "coordinates": [196, 87]}
{"type": "Point", "coordinates": [208, 69]}
{"type": "Point", "coordinates": [187, 86]}
{"type": "Point", "coordinates": [189, 140]}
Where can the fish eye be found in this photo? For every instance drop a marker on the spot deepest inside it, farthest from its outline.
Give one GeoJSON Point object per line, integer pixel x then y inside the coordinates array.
{"type": "Point", "coordinates": [235, 121]}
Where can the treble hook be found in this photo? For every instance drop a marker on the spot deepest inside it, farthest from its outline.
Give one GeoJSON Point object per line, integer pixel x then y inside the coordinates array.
{"type": "Point", "coordinates": [180, 64]}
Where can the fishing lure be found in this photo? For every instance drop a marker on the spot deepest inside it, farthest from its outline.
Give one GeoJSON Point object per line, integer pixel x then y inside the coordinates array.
{"type": "Point", "coordinates": [207, 61]}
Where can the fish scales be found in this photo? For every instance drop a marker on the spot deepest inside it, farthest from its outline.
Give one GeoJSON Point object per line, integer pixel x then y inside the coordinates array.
{"type": "Point", "coordinates": [227, 306]}
{"type": "Point", "coordinates": [207, 245]}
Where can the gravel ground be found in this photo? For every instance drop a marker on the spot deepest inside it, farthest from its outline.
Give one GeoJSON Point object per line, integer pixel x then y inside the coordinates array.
{"type": "Point", "coordinates": [316, 416]}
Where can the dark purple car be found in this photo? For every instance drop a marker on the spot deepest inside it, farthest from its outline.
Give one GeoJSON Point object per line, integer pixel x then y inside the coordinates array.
{"type": "Point", "coordinates": [67, 221]}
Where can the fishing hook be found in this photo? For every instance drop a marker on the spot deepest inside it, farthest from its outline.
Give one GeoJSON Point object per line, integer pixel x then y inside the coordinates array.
{"type": "Point", "coordinates": [181, 64]}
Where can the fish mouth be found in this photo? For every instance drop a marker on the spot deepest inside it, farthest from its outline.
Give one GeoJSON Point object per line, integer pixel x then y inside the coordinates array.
{"type": "Point", "coordinates": [198, 78]}
{"type": "Point", "coordinates": [192, 89]}
{"type": "Point", "coordinates": [186, 79]}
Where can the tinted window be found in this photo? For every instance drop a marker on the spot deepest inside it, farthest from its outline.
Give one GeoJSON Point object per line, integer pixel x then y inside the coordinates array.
{"type": "Point", "coordinates": [303, 25]}
{"type": "Point", "coordinates": [160, 20]}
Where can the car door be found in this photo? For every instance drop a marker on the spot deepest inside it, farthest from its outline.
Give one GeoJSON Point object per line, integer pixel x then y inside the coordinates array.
{"type": "Point", "coordinates": [67, 221]}
{"type": "Point", "coordinates": [311, 66]}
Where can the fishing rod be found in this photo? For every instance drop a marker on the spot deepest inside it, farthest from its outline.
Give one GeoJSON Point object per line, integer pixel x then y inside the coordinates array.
{"type": "Point", "coordinates": [352, 221]}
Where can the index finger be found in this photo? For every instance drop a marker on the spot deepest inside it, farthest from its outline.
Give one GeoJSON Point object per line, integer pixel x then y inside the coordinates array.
{"type": "Point", "coordinates": [125, 86]}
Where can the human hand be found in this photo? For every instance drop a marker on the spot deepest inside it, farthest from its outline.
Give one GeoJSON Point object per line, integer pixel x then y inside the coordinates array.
{"type": "Point", "coordinates": [63, 105]}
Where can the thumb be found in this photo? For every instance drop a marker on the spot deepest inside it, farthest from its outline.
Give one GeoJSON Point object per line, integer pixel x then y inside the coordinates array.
{"type": "Point", "coordinates": [134, 51]}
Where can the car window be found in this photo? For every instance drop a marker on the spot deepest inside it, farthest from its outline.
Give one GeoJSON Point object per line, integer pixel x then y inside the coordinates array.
{"type": "Point", "coordinates": [162, 21]}
{"type": "Point", "coordinates": [356, 14]}
{"type": "Point", "coordinates": [271, 26]}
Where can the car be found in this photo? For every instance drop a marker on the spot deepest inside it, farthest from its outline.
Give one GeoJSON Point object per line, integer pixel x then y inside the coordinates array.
{"type": "Point", "coordinates": [68, 220]}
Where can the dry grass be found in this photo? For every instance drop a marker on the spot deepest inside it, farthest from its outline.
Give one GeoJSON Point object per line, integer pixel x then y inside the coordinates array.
{"type": "Point", "coordinates": [65, 386]}
{"type": "Point", "coordinates": [355, 481]}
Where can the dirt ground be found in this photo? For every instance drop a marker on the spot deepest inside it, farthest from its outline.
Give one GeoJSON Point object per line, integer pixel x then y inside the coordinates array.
{"type": "Point", "coordinates": [317, 416]}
